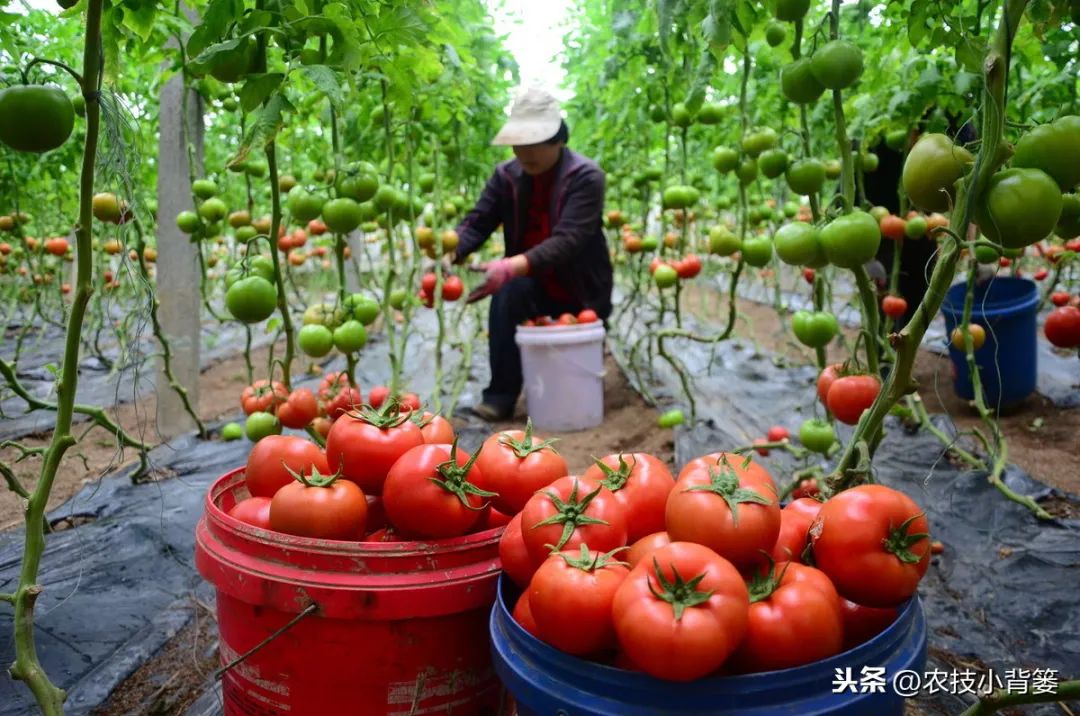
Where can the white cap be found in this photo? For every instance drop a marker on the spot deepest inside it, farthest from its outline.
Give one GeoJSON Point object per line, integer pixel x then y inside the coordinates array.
{"type": "Point", "coordinates": [534, 118]}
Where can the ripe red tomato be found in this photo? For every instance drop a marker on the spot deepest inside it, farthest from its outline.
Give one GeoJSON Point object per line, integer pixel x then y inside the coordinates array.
{"type": "Point", "coordinates": [826, 379]}
{"type": "Point", "coordinates": [1062, 327]}
{"type": "Point", "coordinates": [795, 521]}
{"type": "Point", "coordinates": [645, 546]}
{"type": "Point", "coordinates": [427, 283]}
{"type": "Point", "coordinates": [1005, 262]}
{"type": "Point", "coordinates": [254, 511]}
{"type": "Point", "coordinates": [894, 306]}
{"type": "Point", "coordinates": [516, 562]}
{"type": "Point", "coordinates": [384, 534]}
{"type": "Point", "coordinates": [338, 396]}
{"type": "Point", "coordinates": [570, 597]}
{"type": "Point", "coordinates": [566, 319]}
{"type": "Point", "coordinates": [641, 484]}
{"type": "Point", "coordinates": [1060, 298]}
{"type": "Point", "coordinates": [299, 410]}
{"type": "Point", "coordinates": [492, 519]}
{"type": "Point", "coordinates": [320, 507]}
{"type": "Point", "coordinates": [436, 429]}
{"type": "Point", "coordinates": [431, 492]}
{"type": "Point", "coordinates": [763, 451]}
{"type": "Point", "coordinates": [794, 619]}
{"type": "Point", "coordinates": [806, 488]}
{"type": "Point", "coordinates": [729, 508]}
{"type": "Point", "coordinates": [1041, 274]}
{"type": "Point", "coordinates": [452, 288]}
{"type": "Point", "coordinates": [271, 459]}
{"type": "Point", "coordinates": [587, 316]}
{"type": "Point", "coordinates": [515, 464]}
{"type": "Point", "coordinates": [378, 395]}
{"type": "Point", "coordinates": [689, 267]}
{"type": "Point", "coordinates": [523, 615]}
{"type": "Point", "coordinates": [262, 396]}
{"type": "Point", "coordinates": [365, 445]}
{"type": "Point", "coordinates": [809, 275]}
{"type": "Point", "coordinates": [861, 624]}
{"type": "Point", "coordinates": [1073, 245]}
{"type": "Point", "coordinates": [674, 627]}
{"type": "Point", "coordinates": [872, 530]}
{"type": "Point", "coordinates": [777, 433]}
{"type": "Point", "coordinates": [570, 512]}
{"type": "Point", "coordinates": [850, 395]}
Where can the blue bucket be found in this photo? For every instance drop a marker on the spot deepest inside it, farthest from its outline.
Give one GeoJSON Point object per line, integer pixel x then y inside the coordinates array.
{"type": "Point", "coordinates": [1008, 361]}
{"type": "Point", "coordinates": [547, 682]}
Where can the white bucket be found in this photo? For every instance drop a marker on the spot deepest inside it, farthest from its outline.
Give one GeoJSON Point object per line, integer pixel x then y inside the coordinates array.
{"type": "Point", "coordinates": [563, 370]}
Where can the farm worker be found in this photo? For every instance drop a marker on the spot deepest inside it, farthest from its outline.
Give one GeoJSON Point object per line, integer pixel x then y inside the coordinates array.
{"type": "Point", "coordinates": [549, 201]}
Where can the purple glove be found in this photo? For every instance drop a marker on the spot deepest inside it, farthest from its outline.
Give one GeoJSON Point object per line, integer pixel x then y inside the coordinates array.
{"type": "Point", "coordinates": [496, 275]}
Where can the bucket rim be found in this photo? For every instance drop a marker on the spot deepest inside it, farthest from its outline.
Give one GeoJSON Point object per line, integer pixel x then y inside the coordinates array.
{"type": "Point", "coordinates": [993, 308]}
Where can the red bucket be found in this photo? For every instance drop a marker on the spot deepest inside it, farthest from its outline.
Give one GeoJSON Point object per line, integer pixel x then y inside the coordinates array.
{"type": "Point", "coordinates": [398, 629]}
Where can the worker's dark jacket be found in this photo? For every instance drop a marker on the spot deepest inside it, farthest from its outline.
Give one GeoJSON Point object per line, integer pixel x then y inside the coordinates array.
{"type": "Point", "coordinates": [577, 250]}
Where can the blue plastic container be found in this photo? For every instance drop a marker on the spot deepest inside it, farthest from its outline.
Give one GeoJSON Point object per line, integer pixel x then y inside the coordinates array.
{"type": "Point", "coordinates": [547, 682]}
{"type": "Point", "coordinates": [1008, 361]}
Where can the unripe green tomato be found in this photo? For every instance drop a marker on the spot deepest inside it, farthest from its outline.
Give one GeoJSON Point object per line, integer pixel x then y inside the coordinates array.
{"type": "Point", "coordinates": [671, 418]}
{"type": "Point", "coordinates": [350, 336]}
{"type": "Point", "coordinates": [665, 276]}
{"type": "Point", "coordinates": [232, 431]}
{"type": "Point", "coordinates": [397, 298]}
{"type": "Point", "coordinates": [260, 425]}
{"type": "Point", "coordinates": [817, 435]}
{"type": "Point", "coordinates": [315, 340]}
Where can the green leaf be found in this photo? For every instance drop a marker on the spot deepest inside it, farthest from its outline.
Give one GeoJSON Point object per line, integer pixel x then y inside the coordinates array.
{"type": "Point", "coordinates": [140, 20]}
{"type": "Point", "coordinates": [257, 88]}
{"type": "Point", "coordinates": [216, 19]}
{"type": "Point", "coordinates": [266, 124]}
{"type": "Point", "coordinates": [213, 54]}
{"type": "Point", "coordinates": [326, 80]}
{"type": "Point", "coordinates": [272, 324]}
{"type": "Point", "coordinates": [970, 53]}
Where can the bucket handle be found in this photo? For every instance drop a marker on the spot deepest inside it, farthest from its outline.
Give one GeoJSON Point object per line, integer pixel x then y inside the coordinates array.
{"type": "Point", "coordinates": [307, 611]}
{"type": "Point", "coordinates": [588, 371]}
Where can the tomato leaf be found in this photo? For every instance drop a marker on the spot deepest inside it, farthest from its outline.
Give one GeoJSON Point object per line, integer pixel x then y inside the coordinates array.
{"type": "Point", "coordinates": [140, 20]}
{"type": "Point", "coordinates": [215, 21]}
{"type": "Point", "coordinates": [326, 80]}
{"type": "Point", "coordinates": [257, 88]}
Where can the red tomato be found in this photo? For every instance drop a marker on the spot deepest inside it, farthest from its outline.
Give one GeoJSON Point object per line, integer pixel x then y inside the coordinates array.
{"type": "Point", "coordinates": [452, 288]}
{"type": "Point", "coordinates": [689, 267]}
{"type": "Point", "coordinates": [795, 521]}
{"type": "Point", "coordinates": [763, 451]}
{"type": "Point", "coordinates": [271, 459]}
{"type": "Point", "coordinates": [299, 410]}
{"type": "Point", "coordinates": [794, 620]}
{"type": "Point", "coordinates": [493, 518]}
{"type": "Point", "coordinates": [436, 429]}
{"type": "Point", "coordinates": [254, 511]}
{"type": "Point", "coordinates": [1059, 298]}
{"type": "Point", "coordinates": [384, 534]}
{"type": "Point", "coordinates": [515, 464]}
{"type": "Point", "coordinates": [873, 542]}
{"type": "Point", "coordinates": [338, 396]}
{"type": "Point", "coordinates": [365, 445]}
{"type": "Point", "coordinates": [431, 492]}
{"type": "Point", "coordinates": [850, 395]}
{"type": "Point", "coordinates": [1062, 327]}
{"type": "Point", "coordinates": [427, 283]}
{"type": "Point", "coordinates": [645, 546]}
{"type": "Point", "coordinates": [516, 562]}
{"type": "Point", "coordinates": [826, 379]}
{"type": "Point", "coordinates": [523, 615]}
{"type": "Point", "coordinates": [376, 515]}
{"type": "Point", "coordinates": [808, 275]}
{"type": "Point", "coordinates": [861, 624]}
{"type": "Point", "coordinates": [409, 401]}
{"type": "Point", "coordinates": [530, 323]}
{"type": "Point", "coordinates": [1041, 274]}
{"type": "Point", "coordinates": [806, 488]}
{"type": "Point", "coordinates": [641, 484]}
{"type": "Point", "coordinates": [1073, 245]}
{"type": "Point", "coordinates": [567, 319]}
{"type": "Point", "coordinates": [316, 227]}
{"type": "Point", "coordinates": [674, 627]}
{"type": "Point", "coordinates": [587, 316]}
{"type": "Point", "coordinates": [570, 512]}
{"type": "Point", "coordinates": [777, 433]}
{"type": "Point", "coordinates": [378, 396]}
{"type": "Point", "coordinates": [894, 306]}
{"type": "Point", "coordinates": [262, 396]}
{"type": "Point", "coordinates": [543, 320]}
{"type": "Point", "coordinates": [1005, 262]}
{"type": "Point", "coordinates": [731, 509]}
{"type": "Point", "coordinates": [322, 425]}
{"type": "Point", "coordinates": [320, 507]}
{"type": "Point", "coordinates": [570, 597]}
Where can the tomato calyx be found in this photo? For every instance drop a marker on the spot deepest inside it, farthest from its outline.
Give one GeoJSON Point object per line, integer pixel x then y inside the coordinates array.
{"type": "Point", "coordinates": [679, 593]}
{"type": "Point", "coordinates": [315, 479]}
{"type": "Point", "coordinates": [588, 561]}
{"type": "Point", "coordinates": [525, 447]}
{"type": "Point", "coordinates": [615, 480]}
{"type": "Point", "coordinates": [454, 479]}
{"type": "Point", "coordinates": [762, 585]}
{"type": "Point", "coordinates": [386, 417]}
{"type": "Point", "coordinates": [899, 542]}
{"type": "Point", "coordinates": [422, 420]}
{"type": "Point", "coordinates": [571, 513]}
{"type": "Point", "coordinates": [725, 484]}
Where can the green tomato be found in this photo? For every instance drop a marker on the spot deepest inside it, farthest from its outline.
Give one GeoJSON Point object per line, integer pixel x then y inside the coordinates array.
{"type": "Point", "coordinates": [315, 340]}
{"type": "Point", "coordinates": [837, 64]}
{"type": "Point", "coordinates": [851, 240]}
{"type": "Point", "coordinates": [775, 34]}
{"type": "Point", "coordinates": [350, 336]}
{"type": "Point", "coordinates": [204, 188]}
{"type": "Point", "coordinates": [364, 308]}
{"type": "Point", "coordinates": [671, 418]}
{"type": "Point", "coordinates": [679, 197]}
{"type": "Point", "coordinates": [757, 251]}
{"type": "Point", "coordinates": [931, 170]}
{"type": "Point", "coordinates": [213, 209]}
{"type": "Point", "coordinates": [341, 215]}
{"type": "Point", "coordinates": [426, 182]}
{"type": "Point", "coordinates": [833, 169]}
{"type": "Point", "coordinates": [1019, 207]}
{"type": "Point", "coordinates": [303, 205]}
{"type": "Point", "coordinates": [773, 162]}
{"type": "Point", "coordinates": [986, 255]}
{"type": "Point", "coordinates": [251, 299]}
{"type": "Point", "coordinates": [747, 171]}
{"type": "Point", "coordinates": [35, 118]}
{"type": "Point", "coordinates": [245, 233]}
{"type": "Point", "coordinates": [262, 266]}
{"type": "Point", "coordinates": [798, 84]}
{"type": "Point", "coordinates": [916, 227]}
{"type": "Point", "coordinates": [817, 435]}
{"type": "Point", "coordinates": [680, 115]}
{"type": "Point", "coordinates": [650, 243]}
{"type": "Point", "coordinates": [397, 298]}
{"type": "Point", "coordinates": [725, 159]}
{"type": "Point", "coordinates": [187, 222]}
{"type": "Point", "coordinates": [255, 169]}
{"type": "Point", "coordinates": [710, 113]}
{"type": "Point", "coordinates": [791, 10]}
{"type": "Point", "coordinates": [814, 329]}
{"type": "Point", "coordinates": [656, 113]}
{"type": "Point", "coordinates": [1053, 148]}
{"type": "Point", "coordinates": [806, 176]}
{"type": "Point", "coordinates": [879, 213]}
{"type": "Point", "coordinates": [758, 140]}
{"type": "Point", "coordinates": [798, 244]}
{"type": "Point", "coordinates": [260, 425]}
{"type": "Point", "coordinates": [868, 162]}
{"type": "Point", "coordinates": [232, 431]}
{"type": "Point", "coordinates": [665, 276]}
{"type": "Point", "coordinates": [896, 139]}
{"type": "Point", "coordinates": [722, 242]}
{"type": "Point", "coordinates": [791, 209]}
{"type": "Point", "coordinates": [1068, 226]}
{"type": "Point", "coordinates": [357, 184]}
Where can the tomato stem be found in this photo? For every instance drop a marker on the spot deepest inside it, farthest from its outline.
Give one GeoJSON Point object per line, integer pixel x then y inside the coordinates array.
{"type": "Point", "coordinates": [725, 484]}
{"type": "Point", "coordinates": [571, 513]}
{"type": "Point", "coordinates": [527, 445]}
{"type": "Point", "coordinates": [679, 593]}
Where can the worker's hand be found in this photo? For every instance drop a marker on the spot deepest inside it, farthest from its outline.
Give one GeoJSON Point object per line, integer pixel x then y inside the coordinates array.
{"type": "Point", "coordinates": [496, 275]}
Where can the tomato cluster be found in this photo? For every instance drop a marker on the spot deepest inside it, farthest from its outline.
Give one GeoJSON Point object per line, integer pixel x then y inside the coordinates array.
{"type": "Point", "coordinates": [586, 315]}
{"type": "Point", "coordinates": [706, 574]}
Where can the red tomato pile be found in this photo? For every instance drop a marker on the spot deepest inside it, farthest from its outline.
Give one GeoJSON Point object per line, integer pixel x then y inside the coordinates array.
{"type": "Point", "coordinates": [697, 592]}
{"type": "Point", "coordinates": [566, 319]}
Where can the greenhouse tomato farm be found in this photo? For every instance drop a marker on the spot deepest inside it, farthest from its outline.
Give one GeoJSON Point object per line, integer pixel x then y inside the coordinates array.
{"type": "Point", "coordinates": [501, 358]}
